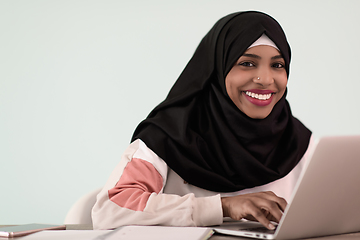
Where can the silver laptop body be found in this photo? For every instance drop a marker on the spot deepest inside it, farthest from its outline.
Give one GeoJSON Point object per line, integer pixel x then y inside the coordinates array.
{"type": "Point", "coordinates": [326, 199]}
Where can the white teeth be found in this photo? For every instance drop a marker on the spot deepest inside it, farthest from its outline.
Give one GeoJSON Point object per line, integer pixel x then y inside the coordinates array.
{"type": "Point", "coordinates": [258, 96]}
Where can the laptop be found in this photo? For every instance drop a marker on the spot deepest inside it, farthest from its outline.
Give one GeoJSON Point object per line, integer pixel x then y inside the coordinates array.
{"type": "Point", "coordinates": [326, 199]}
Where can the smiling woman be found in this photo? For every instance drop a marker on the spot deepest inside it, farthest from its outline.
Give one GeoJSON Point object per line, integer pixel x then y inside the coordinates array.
{"type": "Point", "coordinates": [222, 144]}
{"type": "Point", "coordinates": [258, 80]}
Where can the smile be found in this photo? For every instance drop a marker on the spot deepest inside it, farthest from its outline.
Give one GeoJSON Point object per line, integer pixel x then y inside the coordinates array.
{"type": "Point", "coordinates": [258, 96]}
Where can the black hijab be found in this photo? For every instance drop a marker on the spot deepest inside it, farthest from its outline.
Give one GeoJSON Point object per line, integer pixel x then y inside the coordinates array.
{"type": "Point", "coordinates": [200, 133]}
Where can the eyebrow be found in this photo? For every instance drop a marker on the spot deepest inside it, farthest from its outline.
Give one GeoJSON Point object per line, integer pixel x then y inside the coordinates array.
{"type": "Point", "coordinates": [258, 57]}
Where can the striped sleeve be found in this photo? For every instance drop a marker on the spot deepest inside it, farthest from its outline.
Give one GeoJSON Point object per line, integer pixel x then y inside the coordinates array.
{"type": "Point", "coordinates": [134, 195]}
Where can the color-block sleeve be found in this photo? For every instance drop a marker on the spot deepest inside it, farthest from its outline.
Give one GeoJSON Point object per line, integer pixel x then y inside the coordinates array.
{"type": "Point", "coordinates": [134, 195]}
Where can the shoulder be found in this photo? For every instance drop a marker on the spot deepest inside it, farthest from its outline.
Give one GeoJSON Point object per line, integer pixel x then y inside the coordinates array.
{"type": "Point", "coordinates": [140, 151]}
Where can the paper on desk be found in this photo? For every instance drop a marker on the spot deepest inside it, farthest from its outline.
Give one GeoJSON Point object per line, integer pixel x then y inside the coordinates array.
{"type": "Point", "coordinates": [157, 233]}
{"type": "Point", "coordinates": [65, 235]}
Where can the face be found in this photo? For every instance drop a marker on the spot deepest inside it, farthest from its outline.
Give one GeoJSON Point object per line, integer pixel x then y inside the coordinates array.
{"type": "Point", "coordinates": [257, 81]}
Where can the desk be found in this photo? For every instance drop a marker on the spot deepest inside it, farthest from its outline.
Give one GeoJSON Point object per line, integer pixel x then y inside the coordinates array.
{"type": "Point", "coordinates": [218, 236]}
{"type": "Point", "coordinates": [225, 237]}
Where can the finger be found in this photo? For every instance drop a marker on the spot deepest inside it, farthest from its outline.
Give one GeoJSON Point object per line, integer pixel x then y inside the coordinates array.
{"type": "Point", "coordinates": [261, 218]}
{"type": "Point", "coordinates": [273, 211]}
{"type": "Point", "coordinates": [265, 212]}
{"type": "Point", "coordinates": [270, 209]}
{"type": "Point", "coordinates": [279, 200]}
{"type": "Point", "coordinates": [272, 219]}
{"type": "Point", "coordinates": [283, 204]}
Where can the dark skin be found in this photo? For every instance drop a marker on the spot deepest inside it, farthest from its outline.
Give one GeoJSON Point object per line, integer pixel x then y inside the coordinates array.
{"type": "Point", "coordinates": [262, 207]}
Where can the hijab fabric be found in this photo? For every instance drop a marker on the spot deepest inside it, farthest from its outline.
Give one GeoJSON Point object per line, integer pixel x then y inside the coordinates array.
{"type": "Point", "coordinates": [201, 134]}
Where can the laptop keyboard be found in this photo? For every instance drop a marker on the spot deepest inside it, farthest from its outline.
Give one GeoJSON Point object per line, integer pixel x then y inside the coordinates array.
{"type": "Point", "coordinates": [259, 229]}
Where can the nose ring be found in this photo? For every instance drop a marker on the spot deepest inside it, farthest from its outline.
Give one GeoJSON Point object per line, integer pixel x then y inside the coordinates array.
{"type": "Point", "coordinates": [258, 78]}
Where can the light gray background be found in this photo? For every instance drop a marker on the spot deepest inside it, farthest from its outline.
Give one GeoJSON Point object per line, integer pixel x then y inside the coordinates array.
{"type": "Point", "coordinates": [77, 76]}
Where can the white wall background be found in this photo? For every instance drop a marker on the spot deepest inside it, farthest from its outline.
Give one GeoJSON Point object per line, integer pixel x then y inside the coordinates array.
{"type": "Point", "coordinates": [77, 76]}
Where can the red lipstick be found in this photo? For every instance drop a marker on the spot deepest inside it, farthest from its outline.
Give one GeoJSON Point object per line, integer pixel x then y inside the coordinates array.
{"type": "Point", "coordinates": [256, 100]}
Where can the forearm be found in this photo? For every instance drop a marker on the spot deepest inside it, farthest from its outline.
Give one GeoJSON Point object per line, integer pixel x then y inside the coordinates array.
{"type": "Point", "coordinates": [134, 195]}
{"type": "Point", "coordinates": [161, 209]}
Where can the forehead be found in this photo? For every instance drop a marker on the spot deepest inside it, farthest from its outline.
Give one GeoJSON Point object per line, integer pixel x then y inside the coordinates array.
{"type": "Point", "coordinates": [263, 51]}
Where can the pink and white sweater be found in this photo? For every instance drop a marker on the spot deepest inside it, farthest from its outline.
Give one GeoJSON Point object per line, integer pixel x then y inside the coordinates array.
{"type": "Point", "coordinates": [143, 190]}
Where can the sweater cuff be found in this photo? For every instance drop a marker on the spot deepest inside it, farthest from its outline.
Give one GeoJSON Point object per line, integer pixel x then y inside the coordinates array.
{"type": "Point", "coordinates": [208, 211]}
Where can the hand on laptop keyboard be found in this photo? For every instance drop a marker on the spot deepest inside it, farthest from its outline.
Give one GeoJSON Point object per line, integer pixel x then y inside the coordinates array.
{"type": "Point", "coordinates": [262, 207]}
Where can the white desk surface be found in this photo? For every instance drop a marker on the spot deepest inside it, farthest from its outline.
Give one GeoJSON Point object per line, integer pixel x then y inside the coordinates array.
{"type": "Point", "coordinates": [214, 237]}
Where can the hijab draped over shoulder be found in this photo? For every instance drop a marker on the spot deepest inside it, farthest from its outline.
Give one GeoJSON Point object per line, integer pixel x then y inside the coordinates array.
{"type": "Point", "coordinates": [201, 134]}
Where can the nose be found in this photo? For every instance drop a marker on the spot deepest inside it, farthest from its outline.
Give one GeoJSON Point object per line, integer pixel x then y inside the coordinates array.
{"type": "Point", "coordinates": [264, 77]}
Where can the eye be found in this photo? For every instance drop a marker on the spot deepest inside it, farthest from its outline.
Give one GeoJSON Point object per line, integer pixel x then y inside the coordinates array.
{"type": "Point", "coordinates": [278, 65]}
{"type": "Point", "coordinates": [247, 64]}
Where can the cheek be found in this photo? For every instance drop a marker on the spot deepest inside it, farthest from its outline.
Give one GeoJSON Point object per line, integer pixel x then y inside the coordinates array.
{"type": "Point", "coordinates": [229, 84]}
{"type": "Point", "coordinates": [234, 80]}
{"type": "Point", "coordinates": [231, 89]}
{"type": "Point", "coordinates": [282, 83]}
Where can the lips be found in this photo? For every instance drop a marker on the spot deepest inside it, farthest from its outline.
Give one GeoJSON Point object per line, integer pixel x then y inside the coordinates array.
{"type": "Point", "coordinates": [259, 97]}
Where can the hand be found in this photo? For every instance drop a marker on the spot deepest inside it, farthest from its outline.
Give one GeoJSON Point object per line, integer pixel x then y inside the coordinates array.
{"type": "Point", "coordinates": [262, 207]}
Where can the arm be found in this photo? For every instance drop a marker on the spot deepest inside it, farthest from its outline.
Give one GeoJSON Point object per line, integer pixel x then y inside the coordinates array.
{"type": "Point", "coordinates": [134, 195]}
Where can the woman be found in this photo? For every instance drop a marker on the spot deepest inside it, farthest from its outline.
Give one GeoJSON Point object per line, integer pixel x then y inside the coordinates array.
{"type": "Point", "coordinates": [222, 144]}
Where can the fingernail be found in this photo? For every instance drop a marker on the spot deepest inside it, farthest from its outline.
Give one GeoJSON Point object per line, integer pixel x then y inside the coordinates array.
{"type": "Point", "coordinates": [271, 226]}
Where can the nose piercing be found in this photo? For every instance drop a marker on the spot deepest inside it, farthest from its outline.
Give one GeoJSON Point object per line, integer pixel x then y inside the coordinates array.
{"type": "Point", "coordinates": [258, 78]}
